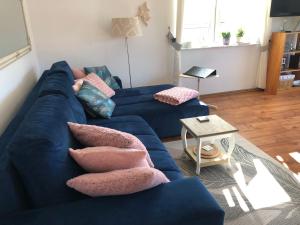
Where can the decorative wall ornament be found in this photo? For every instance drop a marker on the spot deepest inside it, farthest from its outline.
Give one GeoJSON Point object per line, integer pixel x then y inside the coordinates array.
{"type": "Point", "coordinates": [144, 13]}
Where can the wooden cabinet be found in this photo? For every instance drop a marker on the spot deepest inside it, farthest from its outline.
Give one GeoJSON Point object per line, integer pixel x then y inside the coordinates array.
{"type": "Point", "coordinates": [283, 59]}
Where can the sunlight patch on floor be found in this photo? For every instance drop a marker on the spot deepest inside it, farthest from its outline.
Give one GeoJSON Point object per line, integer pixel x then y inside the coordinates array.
{"type": "Point", "coordinates": [297, 176]}
{"type": "Point", "coordinates": [240, 199]}
{"type": "Point", "coordinates": [296, 156]}
{"type": "Point", "coordinates": [285, 165]}
{"type": "Point", "coordinates": [279, 158]}
{"type": "Point", "coordinates": [262, 190]}
{"type": "Point", "coordinates": [228, 198]}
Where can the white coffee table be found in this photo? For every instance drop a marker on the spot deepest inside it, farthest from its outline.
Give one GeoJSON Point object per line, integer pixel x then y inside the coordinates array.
{"type": "Point", "coordinates": [215, 129]}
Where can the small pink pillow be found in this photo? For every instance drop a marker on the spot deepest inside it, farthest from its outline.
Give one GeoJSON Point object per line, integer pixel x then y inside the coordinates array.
{"type": "Point", "coordinates": [103, 159]}
{"type": "Point", "coordinates": [100, 84]}
{"type": "Point", "coordinates": [95, 136]}
{"type": "Point", "coordinates": [118, 182]}
{"type": "Point", "coordinates": [176, 95]}
{"type": "Point", "coordinates": [78, 73]}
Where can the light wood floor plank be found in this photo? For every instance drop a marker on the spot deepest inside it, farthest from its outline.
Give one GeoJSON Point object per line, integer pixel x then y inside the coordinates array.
{"type": "Point", "coordinates": [270, 122]}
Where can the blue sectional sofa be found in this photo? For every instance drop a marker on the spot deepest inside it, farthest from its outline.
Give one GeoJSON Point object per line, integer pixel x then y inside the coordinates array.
{"type": "Point", "coordinates": [34, 163]}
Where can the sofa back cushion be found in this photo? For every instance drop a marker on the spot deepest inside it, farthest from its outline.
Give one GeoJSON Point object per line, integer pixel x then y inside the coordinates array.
{"type": "Point", "coordinates": [13, 197]}
{"type": "Point", "coordinates": [60, 81]}
{"type": "Point", "coordinates": [39, 151]}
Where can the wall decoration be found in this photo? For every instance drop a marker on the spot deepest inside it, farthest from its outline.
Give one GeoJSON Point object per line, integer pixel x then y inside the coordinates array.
{"type": "Point", "coordinates": [144, 13]}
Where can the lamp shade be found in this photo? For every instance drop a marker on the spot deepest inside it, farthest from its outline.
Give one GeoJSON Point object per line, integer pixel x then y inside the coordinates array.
{"type": "Point", "coordinates": [126, 27]}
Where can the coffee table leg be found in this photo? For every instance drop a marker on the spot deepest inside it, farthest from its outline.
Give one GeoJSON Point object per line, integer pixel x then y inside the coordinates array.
{"type": "Point", "coordinates": [231, 147]}
{"type": "Point", "coordinates": [198, 151]}
{"type": "Point", "coordinates": [183, 137]}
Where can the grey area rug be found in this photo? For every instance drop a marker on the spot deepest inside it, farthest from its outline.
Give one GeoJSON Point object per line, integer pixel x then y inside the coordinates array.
{"type": "Point", "coordinates": [255, 190]}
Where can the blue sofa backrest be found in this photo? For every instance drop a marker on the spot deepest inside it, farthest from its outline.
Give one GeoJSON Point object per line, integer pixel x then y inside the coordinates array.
{"type": "Point", "coordinates": [57, 81]}
{"type": "Point", "coordinates": [40, 149]}
{"type": "Point", "coordinates": [12, 194]}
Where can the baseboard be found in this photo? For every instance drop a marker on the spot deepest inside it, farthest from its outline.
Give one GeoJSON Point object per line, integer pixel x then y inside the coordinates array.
{"type": "Point", "coordinates": [232, 92]}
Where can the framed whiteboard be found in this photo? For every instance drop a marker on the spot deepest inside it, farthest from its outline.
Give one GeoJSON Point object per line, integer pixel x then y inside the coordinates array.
{"type": "Point", "coordinates": [14, 38]}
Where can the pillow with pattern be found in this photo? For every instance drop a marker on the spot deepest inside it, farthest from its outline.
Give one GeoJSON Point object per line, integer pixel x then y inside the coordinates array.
{"type": "Point", "coordinates": [95, 102]}
{"type": "Point", "coordinates": [104, 74]}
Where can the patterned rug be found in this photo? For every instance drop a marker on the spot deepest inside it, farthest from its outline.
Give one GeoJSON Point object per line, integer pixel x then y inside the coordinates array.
{"type": "Point", "coordinates": [255, 190]}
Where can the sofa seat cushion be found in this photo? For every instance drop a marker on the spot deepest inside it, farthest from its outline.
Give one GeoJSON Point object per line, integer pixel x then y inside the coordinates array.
{"type": "Point", "coordinates": [152, 142]}
{"type": "Point", "coordinates": [163, 161]}
{"type": "Point", "coordinates": [138, 91]}
{"type": "Point", "coordinates": [173, 175]}
{"type": "Point", "coordinates": [131, 124]}
{"type": "Point", "coordinates": [163, 118]}
{"type": "Point", "coordinates": [39, 151]}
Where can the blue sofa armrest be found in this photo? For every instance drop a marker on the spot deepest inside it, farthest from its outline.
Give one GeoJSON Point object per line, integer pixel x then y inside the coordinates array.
{"type": "Point", "coordinates": [119, 81]}
{"type": "Point", "coordinates": [185, 201]}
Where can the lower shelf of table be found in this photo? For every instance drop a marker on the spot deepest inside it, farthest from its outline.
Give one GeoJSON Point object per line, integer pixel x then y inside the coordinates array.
{"type": "Point", "coordinates": [221, 159]}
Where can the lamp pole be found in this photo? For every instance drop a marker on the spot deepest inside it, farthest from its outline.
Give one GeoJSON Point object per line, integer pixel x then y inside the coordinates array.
{"type": "Point", "coordinates": [128, 58]}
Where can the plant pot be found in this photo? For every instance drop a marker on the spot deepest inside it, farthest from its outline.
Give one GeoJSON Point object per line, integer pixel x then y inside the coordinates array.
{"type": "Point", "coordinates": [238, 39]}
{"type": "Point", "coordinates": [226, 41]}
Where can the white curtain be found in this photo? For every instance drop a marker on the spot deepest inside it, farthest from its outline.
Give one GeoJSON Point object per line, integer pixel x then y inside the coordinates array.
{"type": "Point", "coordinates": [265, 35]}
{"type": "Point", "coordinates": [179, 27]}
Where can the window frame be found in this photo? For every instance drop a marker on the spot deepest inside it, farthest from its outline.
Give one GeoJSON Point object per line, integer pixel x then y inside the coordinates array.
{"type": "Point", "coordinates": [14, 56]}
{"type": "Point", "coordinates": [215, 39]}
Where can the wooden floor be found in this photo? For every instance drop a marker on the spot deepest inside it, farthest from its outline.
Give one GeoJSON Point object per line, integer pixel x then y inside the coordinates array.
{"type": "Point", "coordinates": [270, 122]}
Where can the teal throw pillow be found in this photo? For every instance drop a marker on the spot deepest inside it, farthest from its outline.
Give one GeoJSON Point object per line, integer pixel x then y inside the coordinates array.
{"type": "Point", "coordinates": [95, 102]}
{"type": "Point", "coordinates": [104, 74]}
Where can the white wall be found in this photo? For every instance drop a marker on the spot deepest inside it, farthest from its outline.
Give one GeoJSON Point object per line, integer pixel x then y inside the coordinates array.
{"type": "Point", "coordinates": [237, 67]}
{"type": "Point", "coordinates": [16, 81]}
{"type": "Point", "coordinates": [79, 32]}
{"type": "Point", "coordinates": [290, 23]}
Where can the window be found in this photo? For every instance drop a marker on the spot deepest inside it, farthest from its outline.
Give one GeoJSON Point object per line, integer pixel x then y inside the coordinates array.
{"type": "Point", "coordinates": [205, 20]}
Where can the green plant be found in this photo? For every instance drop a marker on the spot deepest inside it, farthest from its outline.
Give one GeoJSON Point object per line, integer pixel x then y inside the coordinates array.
{"type": "Point", "coordinates": [226, 35]}
{"type": "Point", "coordinates": [240, 33]}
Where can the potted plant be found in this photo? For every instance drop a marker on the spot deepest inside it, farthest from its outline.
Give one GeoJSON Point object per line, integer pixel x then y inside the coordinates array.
{"type": "Point", "coordinates": [226, 37]}
{"type": "Point", "coordinates": [239, 35]}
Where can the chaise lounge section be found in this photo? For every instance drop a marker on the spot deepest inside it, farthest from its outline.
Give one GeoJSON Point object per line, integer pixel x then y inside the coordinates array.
{"type": "Point", "coordinates": [34, 164]}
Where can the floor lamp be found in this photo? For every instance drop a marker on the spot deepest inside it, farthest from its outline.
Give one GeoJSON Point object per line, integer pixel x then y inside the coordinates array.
{"type": "Point", "coordinates": [126, 28]}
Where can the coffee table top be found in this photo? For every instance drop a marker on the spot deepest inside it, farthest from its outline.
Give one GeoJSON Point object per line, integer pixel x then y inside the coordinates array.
{"type": "Point", "coordinates": [215, 126]}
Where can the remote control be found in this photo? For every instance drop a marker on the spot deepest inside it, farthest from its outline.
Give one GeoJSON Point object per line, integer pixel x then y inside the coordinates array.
{"type": "Point", "coordinates": [203, 119]}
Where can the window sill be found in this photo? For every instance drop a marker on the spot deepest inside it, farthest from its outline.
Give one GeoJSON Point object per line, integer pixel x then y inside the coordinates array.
{"type": "Point", "coordinates": [220, 46]}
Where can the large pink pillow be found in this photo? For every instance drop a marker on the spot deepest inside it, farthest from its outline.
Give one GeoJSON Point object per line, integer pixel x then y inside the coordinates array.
{"type": "Point", "coordinates": [103, 159]}
{"type": "Point", "coordinates": [118, 182]}
{"type": "Point", "coordinates": [94, 136]}
{"type": "Point", "coordinates": [176, 95]}
{"type": "Point", "coordinates": [78, 73]}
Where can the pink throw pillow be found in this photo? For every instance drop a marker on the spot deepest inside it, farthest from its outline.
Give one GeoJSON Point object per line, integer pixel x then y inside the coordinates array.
{"type": "Point", "coordinates": [97, 82]}
{"type": "Point", "coordinates": [95, 136]}
{"type": "Point", "coordinates": [100, 84]}
{"type": "Point", "coordinates": [118, 182]}
{"type": "Point", "coordinates": [176, 95]}
{"type": "Point", "coordinates": [103, 159]}
{"type": "Point", "coordinates": [78, 73]}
